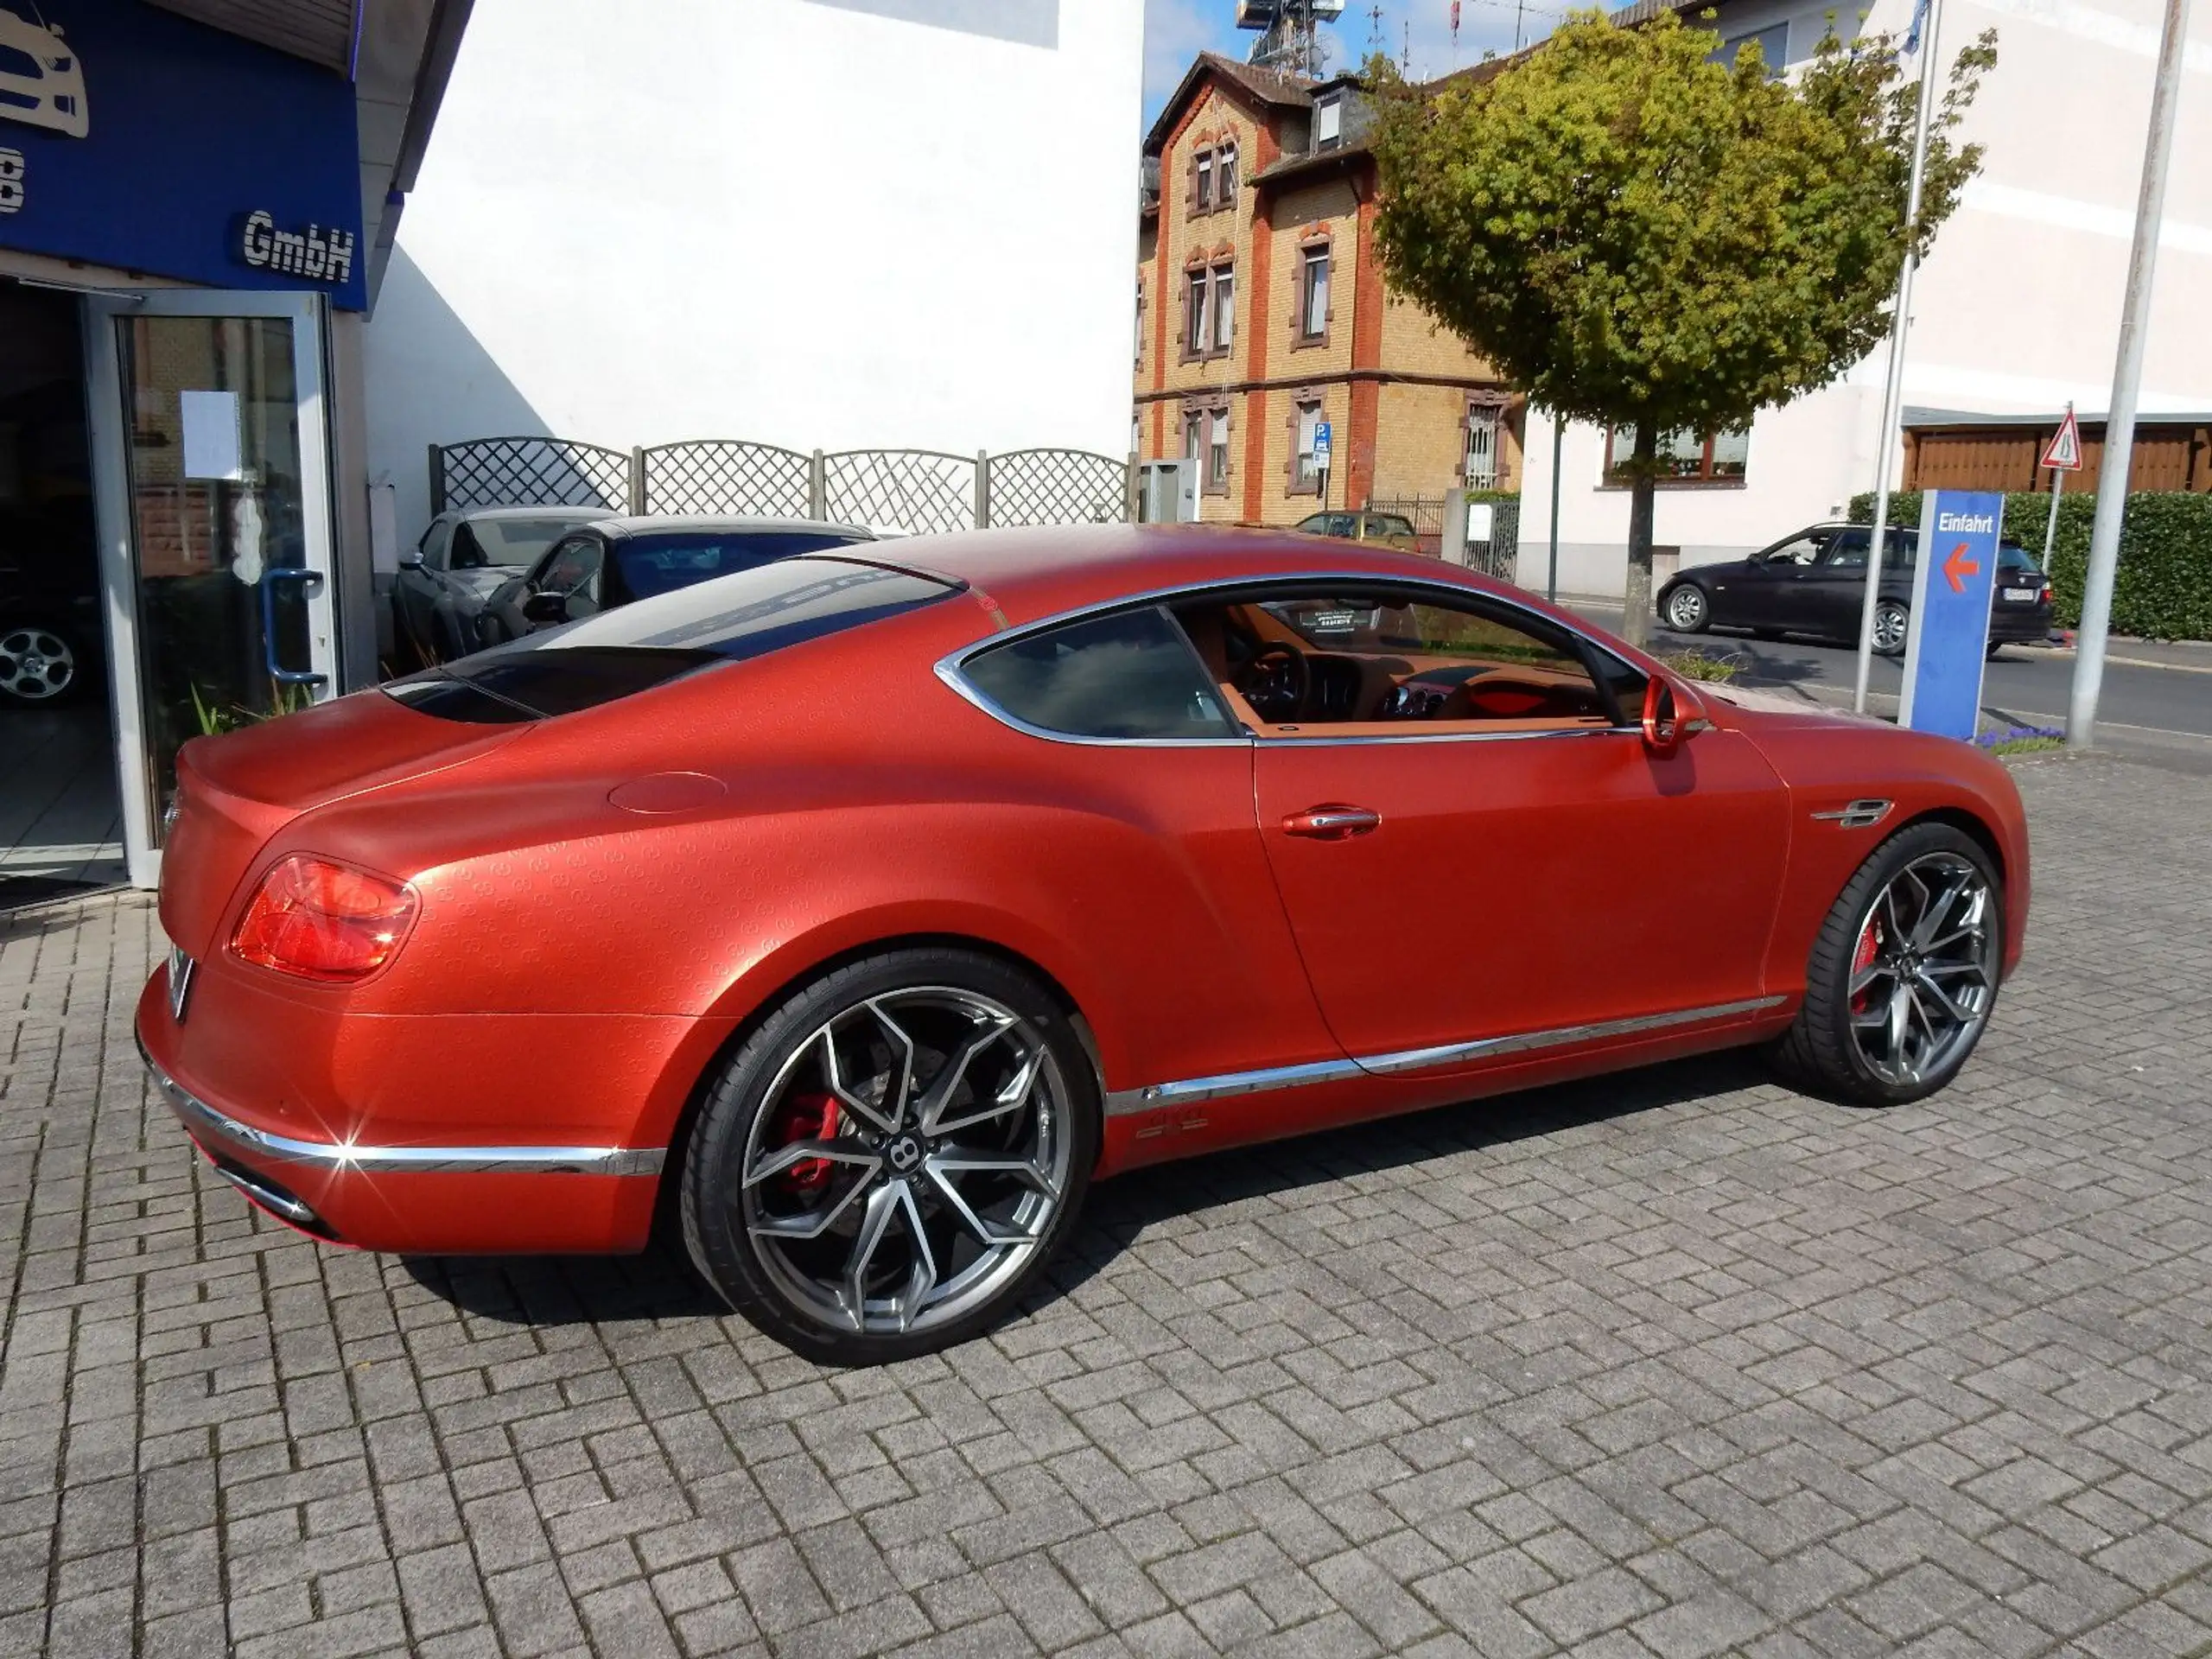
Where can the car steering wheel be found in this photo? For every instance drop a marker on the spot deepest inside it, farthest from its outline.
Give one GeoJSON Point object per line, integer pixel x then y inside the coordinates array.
{"type": "Point", "coordinates": [1275, 682]}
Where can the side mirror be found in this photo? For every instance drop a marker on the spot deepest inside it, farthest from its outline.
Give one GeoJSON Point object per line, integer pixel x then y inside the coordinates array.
{"type": "Point", "coordinates": [546, 608]}
{"type": "Point", "coordinates": [1670, 713]}
{"type": "Point", "coordinates": [411, 559]}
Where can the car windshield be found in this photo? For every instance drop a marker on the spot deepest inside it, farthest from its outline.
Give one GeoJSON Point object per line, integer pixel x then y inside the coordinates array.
{"type": "Point", "coordinates": [661, 561]}
{"type": "Point", "coordinates": [506, 542]}
{"type": "Point", "coordinates": [2014, 557]}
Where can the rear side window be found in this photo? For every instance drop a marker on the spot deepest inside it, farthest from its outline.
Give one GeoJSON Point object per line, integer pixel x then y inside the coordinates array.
{"type": "Point", "coordinates": [658, 564]}
{"type": "Point", "coordinates": [1126, 676]}
{"type": "Point", "coordinates": [756, 611]}
{"type": "Point", "coordinates": [499, 688]}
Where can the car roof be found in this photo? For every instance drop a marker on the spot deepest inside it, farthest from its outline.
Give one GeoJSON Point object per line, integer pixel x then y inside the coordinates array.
{"type": "Point", "coordinates": [727, 523]}
{"type": "Point", "coordinates": [1034, 574]}
{"type": "Point", "coordinates": [550, 510]}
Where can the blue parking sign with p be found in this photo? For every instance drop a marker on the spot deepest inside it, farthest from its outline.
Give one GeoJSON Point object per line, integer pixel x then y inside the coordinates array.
{"type": "Point", "coordinates": [1953, 582]}
{"type": "Point", "coordinates": [1321, 443]}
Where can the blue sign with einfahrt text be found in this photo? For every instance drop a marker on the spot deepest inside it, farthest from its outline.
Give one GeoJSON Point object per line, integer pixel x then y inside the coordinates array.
{"type": "Point", "coordinates": [135, 139]}
{"type": "Point", "coordinates": [1952, 584]}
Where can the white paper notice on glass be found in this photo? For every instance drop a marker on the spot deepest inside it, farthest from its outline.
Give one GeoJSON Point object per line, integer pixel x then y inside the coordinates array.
{"type": "Point", "coordinates": [1478, 521]}
{"type": "Point", "coordinates": [211, 434]}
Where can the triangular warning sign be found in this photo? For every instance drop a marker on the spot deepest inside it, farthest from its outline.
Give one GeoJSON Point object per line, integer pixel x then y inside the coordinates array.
{"type": "Point", "coordinates": [2063, 453]}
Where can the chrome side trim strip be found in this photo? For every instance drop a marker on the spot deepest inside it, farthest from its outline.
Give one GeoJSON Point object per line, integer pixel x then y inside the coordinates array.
{"type": "Point", "coordinates": [1191, 1091]}
{"type": "Point", "coordinates": [1858, 815]}
{"type": "Point", "coordinates": [1419, 1060]}
{"type": "Point", "coordinates": [205, 1122]}
{"type": "Point", "coordinates": [1121, 1103]}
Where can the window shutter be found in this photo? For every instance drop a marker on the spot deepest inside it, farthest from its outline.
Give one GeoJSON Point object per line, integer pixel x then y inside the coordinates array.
{"type": "Point", "coordinates": [1290, 448]}
{"type": "Point", "coordinates": [1191, 185]}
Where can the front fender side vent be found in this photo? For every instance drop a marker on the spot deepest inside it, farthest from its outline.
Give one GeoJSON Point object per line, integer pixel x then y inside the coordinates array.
{"type": "Point", "coordinates": [1858, 815]}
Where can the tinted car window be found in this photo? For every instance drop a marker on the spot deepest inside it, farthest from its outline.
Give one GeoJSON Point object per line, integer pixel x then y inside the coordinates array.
{"type": "Point", "coordinates": [510, 541]}
{"type": "Point", "coordinates": [756, 611]}
{"type": "Point", "coordinates": [1128, 675]}
{"type": "Point", "coordinates": [1798, 550]}
{"type": "Point", "coordinates": [1389, 524]}
{"type": "Point", "coordinates": [500, 687]}
{"type": "Point", "coordinates": [661, 564]}
{"type": "Point", "coordinates": [1847, 551]}
{"type": "Point", "coordinates": [2011, 557]}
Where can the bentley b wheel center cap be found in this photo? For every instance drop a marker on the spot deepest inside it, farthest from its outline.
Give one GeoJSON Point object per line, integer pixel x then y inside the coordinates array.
{"type": "Point", "coordinates": [905, 1153]}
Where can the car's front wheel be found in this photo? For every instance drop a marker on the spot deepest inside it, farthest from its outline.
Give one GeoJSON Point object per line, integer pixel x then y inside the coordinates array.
{"type": "Point", "coordinates": [1905, 972]}
{"type": "Point", "coordinates": [1686, 609]}
{"type": "Point", "coordinates": [887, 1163]}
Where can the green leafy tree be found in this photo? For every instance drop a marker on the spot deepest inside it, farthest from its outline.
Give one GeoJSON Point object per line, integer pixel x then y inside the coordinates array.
{"type": "Point", "coordinates": [1635, 234]}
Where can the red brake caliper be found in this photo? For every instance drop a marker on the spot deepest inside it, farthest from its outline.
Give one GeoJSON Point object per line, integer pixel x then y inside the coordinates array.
{"type": "Point", "coordinates": [1870, 945]}
{"type": "Point", "coordinates": [807, 1117]}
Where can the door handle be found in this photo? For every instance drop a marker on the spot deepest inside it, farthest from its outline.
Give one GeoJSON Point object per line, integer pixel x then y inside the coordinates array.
{"type": "Point", "coordinates": [1331, 823]}
{"type": "Point", "coordinates": [269, 577]}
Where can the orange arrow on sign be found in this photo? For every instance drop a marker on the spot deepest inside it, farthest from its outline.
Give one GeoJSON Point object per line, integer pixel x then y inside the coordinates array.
{"type": "Point", "coordinates": [1958, 568]}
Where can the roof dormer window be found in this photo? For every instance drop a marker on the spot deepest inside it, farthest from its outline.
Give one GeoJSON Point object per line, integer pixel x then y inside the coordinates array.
{"type": "Point", "coordinates": [1328, 121]}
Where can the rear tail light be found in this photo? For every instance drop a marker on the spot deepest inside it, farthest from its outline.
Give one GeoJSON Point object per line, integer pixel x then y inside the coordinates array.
{"type": "Point", "coordinates": [324, 921]}
{"type": "Point", "coordinates": [2046, 593]}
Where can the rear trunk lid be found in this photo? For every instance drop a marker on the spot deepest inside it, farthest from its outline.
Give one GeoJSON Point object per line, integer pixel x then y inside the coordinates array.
{"type": "Point", "coordinates": [236, 791]}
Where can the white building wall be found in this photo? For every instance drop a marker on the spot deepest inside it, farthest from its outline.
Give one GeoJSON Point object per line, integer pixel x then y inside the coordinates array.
{"type": "Point", "coordinates": [2017, 310]}
{"type": "Point", "coordinates": [805, 223]}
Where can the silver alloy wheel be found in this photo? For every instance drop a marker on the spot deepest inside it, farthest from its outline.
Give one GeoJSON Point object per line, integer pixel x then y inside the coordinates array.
{"type": "Point", "coordinates": [1924, 973]}
{"type": "Point", "coordinates": [36, 665]}
{"type": "Point", "coordinates": [1892, 620]}
{"type": "Point", "coordinates": [906, 1160]}
{"type": "Point", "coordinates": [1685, 610]}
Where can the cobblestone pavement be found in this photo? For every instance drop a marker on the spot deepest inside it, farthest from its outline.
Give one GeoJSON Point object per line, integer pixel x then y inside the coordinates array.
{"type": "Point", "coordinates": [1680, 1363]}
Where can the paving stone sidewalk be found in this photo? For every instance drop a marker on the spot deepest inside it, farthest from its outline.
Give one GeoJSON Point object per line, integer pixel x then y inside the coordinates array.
{"type": "Point", "coordinates": [1677, 1363]}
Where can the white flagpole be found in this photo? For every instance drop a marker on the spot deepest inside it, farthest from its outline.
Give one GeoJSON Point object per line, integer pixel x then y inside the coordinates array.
{"type": "Point", "coordinates": [1900, 322]}
{"type": "Point", "coordinates": [2112, 466]}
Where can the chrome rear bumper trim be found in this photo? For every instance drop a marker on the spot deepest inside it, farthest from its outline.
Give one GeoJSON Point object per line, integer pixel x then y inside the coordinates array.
{"type": "Point", "coordinates": [207, 1124]}
{"type": "Point", "coordinates": [1121, 1103]}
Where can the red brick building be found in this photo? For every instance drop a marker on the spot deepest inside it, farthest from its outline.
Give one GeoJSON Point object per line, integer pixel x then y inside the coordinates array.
{"type": "Point", "coordinates": [1261, 311]}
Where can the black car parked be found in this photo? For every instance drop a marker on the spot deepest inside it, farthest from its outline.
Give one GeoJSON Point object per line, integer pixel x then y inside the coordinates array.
{"type": "Point", "coordinates": [614, 560]}
{"type": "Point", "coordinates": [464, 558]}
{"type": "Point", "coordinates": [1814, 582]}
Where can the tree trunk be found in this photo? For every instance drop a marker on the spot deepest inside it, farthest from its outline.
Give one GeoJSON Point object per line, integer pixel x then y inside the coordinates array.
{"type": "Point", "coordinates": [1636, 619]}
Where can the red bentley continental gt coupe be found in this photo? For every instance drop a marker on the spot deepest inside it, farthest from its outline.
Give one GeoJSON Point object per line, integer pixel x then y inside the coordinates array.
{"type": "Point", "coordinates": [852, 914]}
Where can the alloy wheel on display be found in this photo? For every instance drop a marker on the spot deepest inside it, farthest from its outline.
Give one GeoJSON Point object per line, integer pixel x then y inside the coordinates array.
{"type": "Point", "coordinates": [906, 1162]}
{"type": "Point", "coordinates": [1923, 974]}
{"type": "Point", "coordinates": [36, 665]}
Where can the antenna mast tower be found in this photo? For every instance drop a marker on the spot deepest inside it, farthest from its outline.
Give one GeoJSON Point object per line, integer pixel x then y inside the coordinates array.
{"type": "Point", "coordinates": [1290, 42]}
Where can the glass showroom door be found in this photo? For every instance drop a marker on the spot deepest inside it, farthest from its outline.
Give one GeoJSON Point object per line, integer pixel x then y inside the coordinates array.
{"type": "Point", "coordinates": [211, 465]}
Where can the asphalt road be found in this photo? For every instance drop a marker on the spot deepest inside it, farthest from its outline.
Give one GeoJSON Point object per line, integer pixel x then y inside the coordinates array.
{"type": "Point", "coordinates": [2028, 686]}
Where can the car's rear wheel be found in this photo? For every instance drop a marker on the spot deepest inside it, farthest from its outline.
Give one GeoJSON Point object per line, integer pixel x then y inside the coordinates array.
{"type": "Point", "coordinates": [887, 1163]}
{"type": "Point", "coordinates": [1905, 972]}
{"type": "Point", "coordinates": [1891, 622]}
{"type": "Point", "coordinates": [1686, 611]}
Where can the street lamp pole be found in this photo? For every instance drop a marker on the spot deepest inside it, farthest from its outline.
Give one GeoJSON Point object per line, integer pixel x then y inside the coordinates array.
{"type": "Point", "coordinates": [2127, 381]}
{"type": "Point", "coordinates": [1551, 580]}
{"type": "Point", "coordinates": [1893, 390]}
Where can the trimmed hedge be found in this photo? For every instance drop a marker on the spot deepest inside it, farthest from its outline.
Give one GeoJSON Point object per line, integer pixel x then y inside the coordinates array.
{"type": "Point", "coordinates": [2163, 588]}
